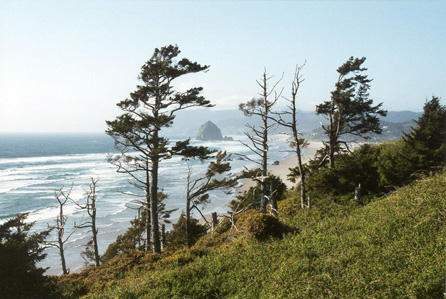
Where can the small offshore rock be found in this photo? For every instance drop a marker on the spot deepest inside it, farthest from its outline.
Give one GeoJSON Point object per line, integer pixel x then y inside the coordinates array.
{"type": "Point", "coordinates": [210, 132]}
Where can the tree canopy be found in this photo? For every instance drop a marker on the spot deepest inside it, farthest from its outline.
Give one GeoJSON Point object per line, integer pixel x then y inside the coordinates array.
{"type": "Point", "coordinates": [349, 111]}
{"type": "Point", "coordinates": [20, 251]}
{"type": "Point", "coordinates": [150, 109]}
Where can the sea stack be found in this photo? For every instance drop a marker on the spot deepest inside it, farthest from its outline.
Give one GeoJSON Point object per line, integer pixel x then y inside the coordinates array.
{"type": "Point", "coordinates": [210, 132]}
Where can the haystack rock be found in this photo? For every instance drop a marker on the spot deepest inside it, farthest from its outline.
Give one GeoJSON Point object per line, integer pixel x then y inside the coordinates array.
{"type": "Point", "coordinates": [210, 132]}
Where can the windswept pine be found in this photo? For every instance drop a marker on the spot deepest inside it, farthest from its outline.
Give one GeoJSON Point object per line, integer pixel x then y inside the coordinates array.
{"type": "Point", "coordinates": [149, 110]}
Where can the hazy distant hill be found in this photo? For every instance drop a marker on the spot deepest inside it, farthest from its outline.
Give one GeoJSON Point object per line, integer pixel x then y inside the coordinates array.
{"type": "Point", "coordinates": [232, 122]}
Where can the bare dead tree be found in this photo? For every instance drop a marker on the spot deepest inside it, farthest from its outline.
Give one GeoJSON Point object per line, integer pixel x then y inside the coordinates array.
{"type": "Point", "coordinates": [90, 207]}
{"type": "Point", "coordinates": [258, 137]}
{"type": "Point", "coordinates": [197, 191]}
{"type": "Point", "coordinates": [62, 197]}
{"type": "Point", "coordinates": [288, 119]}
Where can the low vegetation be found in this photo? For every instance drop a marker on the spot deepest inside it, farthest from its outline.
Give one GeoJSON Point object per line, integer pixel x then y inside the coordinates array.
{"type": "Point", "coordinates": [391, 248]}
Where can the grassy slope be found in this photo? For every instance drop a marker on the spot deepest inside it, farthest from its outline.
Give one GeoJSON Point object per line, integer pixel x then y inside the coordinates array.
{"type": "Point", "coordinates": [392, 248]}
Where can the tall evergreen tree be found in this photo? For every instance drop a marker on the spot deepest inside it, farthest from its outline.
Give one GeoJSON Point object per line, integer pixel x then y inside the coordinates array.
{"type": "Point", "coordinates": [149, 110]}
{"type": "Point", "coordinates": [349, 111]}
{"type": "Point", "coordinates": [20, 251]}
{"type": "Point", "coordinates": [428, 139]}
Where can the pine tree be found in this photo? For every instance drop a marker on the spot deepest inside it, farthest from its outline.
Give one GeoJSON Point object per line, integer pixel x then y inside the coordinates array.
{"type": "Point", "coordinates": [349, 111]}
{"type": "Point", "coordinates": [428, 140]}
{"type": "Point", "coordinates": [149, 110]}
{"type": "Point", "coordinates": [20, 251]}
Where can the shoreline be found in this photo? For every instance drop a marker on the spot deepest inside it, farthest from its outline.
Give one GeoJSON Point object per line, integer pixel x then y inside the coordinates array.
{"type": "Point", "coordinates": [282, 170]}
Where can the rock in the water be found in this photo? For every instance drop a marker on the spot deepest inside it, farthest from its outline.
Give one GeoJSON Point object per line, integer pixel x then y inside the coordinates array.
{"type": "Point", "coordinates": [209, 131]}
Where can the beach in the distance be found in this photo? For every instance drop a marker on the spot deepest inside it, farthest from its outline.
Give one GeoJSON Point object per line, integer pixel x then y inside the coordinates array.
{"type": "Point", "coordinates": [282, 169]}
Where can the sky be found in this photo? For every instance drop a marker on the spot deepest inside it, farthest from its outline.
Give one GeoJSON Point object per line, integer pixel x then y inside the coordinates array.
{"type": "Point", "coordinates": [65, 64]}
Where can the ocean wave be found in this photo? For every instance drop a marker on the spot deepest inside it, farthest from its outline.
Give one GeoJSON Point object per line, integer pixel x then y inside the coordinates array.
{"type": "Point", "coordinates": [50, 213]}
{"type": "Point", "coordinates": [120, 209]}
{"type": "Point", "coordinates": [53, 159]}
{"type": "Point", "coordinates": [8, 186]}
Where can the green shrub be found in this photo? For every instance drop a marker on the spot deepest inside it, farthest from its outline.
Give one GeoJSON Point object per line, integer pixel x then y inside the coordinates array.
{"type": "Point", "coordinates": [394, 164]}
{"type": "Point", "coordinates": [350, 170]}
{"type": "Point", "coordinates": [176, 238]}
{"type": "Point", "coordinates": [260, 226]}
{"type": "Point", "coordinates": [288, 206]}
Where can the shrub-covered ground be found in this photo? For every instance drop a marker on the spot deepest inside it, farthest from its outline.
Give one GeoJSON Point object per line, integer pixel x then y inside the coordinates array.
{"type": "Point", "coordinates": [391, 248]}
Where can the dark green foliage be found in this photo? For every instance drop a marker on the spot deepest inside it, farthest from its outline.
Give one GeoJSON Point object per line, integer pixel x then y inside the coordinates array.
{"type": "Point", "coordinates": [382, 167]}
{"type": "Point", "coordinates": [349, 171]}
{"type": "Point", "coordinates": [394, 163]}
{"type": "Point", "coordinates": [349, 111]}
{"type": "Point", "coordinates": [198, 188]}
{"type": "Point", "coordinates": [428, 139]}
{"type": "Point", "coordinates": [259, 225]}
{"type": "Point", "coordinates": [20, 251]}
{"type": "Point", "coordinates": [177, 238]}
{"type": "Point", "coordinates": [253, 194]}
{"type": "Point", "coordinates": [421, 151]}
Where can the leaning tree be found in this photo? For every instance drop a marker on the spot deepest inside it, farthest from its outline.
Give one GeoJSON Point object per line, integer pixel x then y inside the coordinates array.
{"type": "Point", "coordinates": [149, 110]}
{"type": "Point", "coordinates": [349, 111]}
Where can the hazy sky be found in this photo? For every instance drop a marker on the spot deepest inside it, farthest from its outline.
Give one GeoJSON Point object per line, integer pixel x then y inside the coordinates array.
{"type": "Point", "coordinates": [65, 64]}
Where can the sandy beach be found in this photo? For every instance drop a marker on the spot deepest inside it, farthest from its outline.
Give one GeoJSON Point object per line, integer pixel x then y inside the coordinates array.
{"type": "Point", "coordinates": [282, 170]}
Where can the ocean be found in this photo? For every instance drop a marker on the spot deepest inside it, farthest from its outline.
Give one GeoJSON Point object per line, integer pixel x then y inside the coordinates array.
{"type": "Point", "coordinates": [34, 166]}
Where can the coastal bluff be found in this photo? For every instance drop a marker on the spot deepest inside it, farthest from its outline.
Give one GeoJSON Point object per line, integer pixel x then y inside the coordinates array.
{"type": "Point", "coordinates": [210, 132]}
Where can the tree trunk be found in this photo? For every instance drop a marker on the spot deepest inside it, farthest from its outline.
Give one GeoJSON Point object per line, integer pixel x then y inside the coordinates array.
{"type": "Point", "coordinates": [147, 207]}
{"type": "Point", "coordinates": [163, 235]}
{"type": "Point", "coordinates": [95, 238]}
{"type": "Point", "coordinates": [62, 256]}
{"type": "Point", "coordinates": [188, 221]}
{"type": "Point", "coordinates": [214, 221]}
{"type": "Point", "coordinates": [331, 142]}
{"type": "Point", "coordinates": [358, 194]}
{"type": "Point", "coordinates": [272, 198]}
{"type": "Point", "coordinates": [331, 154]}
{"type": "Point", "coordinates": [154, 207]}
{"type": "Point", "coordinates": [60, 231]}
{"type": "Point", "coordinates": [299, 159]}
{"type": "Point", "coordinates": [265, 153]}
